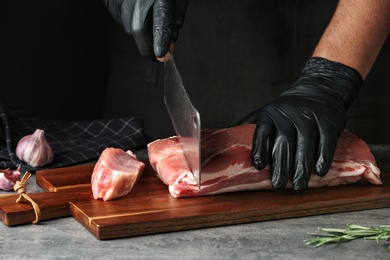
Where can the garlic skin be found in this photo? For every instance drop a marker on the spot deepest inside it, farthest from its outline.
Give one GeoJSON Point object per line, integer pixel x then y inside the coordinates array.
{"type": "Point", "coordinates": [8, 178]}
{"type": "Point", "coordinates": [35, 150]}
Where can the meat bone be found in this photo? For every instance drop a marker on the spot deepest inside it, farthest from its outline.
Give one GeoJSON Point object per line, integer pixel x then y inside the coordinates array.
{"type": "Point", "coordinates": [53, 202]}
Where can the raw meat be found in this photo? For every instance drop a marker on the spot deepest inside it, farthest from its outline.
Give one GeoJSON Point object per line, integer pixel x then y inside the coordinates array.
{"type": "Point", "coordinates": [8, 178]}
{"type": "Point", "coordinates": [226, 164]}
{"type": "Point", "coordinates": [115, 174]}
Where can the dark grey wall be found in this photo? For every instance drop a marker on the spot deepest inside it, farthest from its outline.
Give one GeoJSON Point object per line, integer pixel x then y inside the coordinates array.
{"type": "Point", "coordinates": [234, 56]}
{"type": "Point", "coordinates": [54, 57]}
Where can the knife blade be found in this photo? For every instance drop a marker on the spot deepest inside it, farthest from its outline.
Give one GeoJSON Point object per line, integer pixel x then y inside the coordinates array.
{"type": "Point", "coordinates": [184, 116]}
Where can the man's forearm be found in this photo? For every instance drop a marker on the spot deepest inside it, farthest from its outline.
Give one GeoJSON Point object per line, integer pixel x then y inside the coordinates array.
{"type": "Point", "coordinates": [356, 33]}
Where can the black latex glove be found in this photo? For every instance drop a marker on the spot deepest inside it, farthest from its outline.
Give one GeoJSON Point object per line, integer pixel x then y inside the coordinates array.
{"type": "Point", "coordinates": [154, 24]}
{"type": "Point", "coordinates": [298, 131]}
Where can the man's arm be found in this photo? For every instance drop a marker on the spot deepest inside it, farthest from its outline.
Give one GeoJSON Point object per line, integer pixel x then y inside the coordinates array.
{"type": "Point", "coordinates": [298, 131]}
{"type": "Point", "coordinates": [356, 34]}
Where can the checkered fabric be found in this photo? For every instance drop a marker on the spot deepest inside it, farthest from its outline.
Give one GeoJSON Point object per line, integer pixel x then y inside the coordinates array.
{"type": "Point", "coordinates": [73, 142]}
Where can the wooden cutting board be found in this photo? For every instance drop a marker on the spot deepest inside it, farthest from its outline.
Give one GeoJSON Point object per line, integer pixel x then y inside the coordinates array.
{"type": "Point", "coordinates": [150, 209]}
{"type": "Point", "coordinates": [62, 186]}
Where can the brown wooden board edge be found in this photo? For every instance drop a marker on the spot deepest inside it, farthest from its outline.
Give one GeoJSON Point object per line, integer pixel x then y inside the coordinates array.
{"type": "Point", "coordinates": [44, 177]}
{"type": "Point", "coordinates": [13, 214]}
{"type": "Point", "coordinates": [218, 219]}
{"type": "Point", "coordinates": [52, 205]}
{"type": "Point", "coordinates": [189, 222]}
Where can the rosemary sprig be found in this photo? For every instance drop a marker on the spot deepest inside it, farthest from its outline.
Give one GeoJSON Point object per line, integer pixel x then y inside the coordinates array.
{"type": "Point", "coordinates": [336, 235]}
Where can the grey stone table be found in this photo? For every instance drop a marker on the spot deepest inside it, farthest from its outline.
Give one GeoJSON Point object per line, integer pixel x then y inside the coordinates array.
{"type": "Point", "coordinates": [65, 238]}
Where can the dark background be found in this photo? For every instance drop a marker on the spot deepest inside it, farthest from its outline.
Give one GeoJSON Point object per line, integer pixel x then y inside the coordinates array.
{"type": "Point", "coordinates": [68, 59]}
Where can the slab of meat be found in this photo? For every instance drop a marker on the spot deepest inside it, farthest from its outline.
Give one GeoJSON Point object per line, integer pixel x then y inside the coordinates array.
{"type": "Point", "coordinates": [115, 174]}
{"type": "Point", "coordinates": [227, 167]}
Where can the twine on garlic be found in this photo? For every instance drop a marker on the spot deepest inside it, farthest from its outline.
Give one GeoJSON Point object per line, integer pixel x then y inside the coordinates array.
{"type": "Point", "coordinates": [20, 187]}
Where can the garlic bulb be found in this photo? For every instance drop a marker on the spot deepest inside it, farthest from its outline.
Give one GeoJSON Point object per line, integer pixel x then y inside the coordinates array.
{"type": "Point", "coordinates": [35, 150]}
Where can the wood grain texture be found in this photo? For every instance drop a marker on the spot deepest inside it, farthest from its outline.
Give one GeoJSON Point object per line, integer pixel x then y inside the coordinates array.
{"type": "Point", "coordinates": [71, 177]}
{"type": "Point", "coordinates": [150, 209]}
{"type": "Point", "coordinates": [51, 204]}
{"type": "Point", "coordinates": [62, 185]}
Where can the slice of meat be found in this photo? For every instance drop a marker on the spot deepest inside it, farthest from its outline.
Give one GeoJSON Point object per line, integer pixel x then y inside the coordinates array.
{"type": "Point", "coordinates": [226, 164]}
{"type": "Point", "coordinates": [167, 159]}
{"type": "Point", "coordinates": [115, 174]}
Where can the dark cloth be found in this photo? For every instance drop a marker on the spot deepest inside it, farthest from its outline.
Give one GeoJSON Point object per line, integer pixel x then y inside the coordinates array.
{"type": "Point", "coordinates": [73, 142]}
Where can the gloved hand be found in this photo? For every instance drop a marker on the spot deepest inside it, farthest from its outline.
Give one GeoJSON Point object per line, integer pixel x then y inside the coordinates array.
{"type": "Point", "coordinates": [298, 131]}
{"type": "Point", "coordinates": [154, 24]}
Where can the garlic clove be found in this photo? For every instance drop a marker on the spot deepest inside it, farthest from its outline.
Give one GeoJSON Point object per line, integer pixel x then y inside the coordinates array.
{"type": "Point", "coordinates": [8, 178]}
{"type": "Point", "coordinates": [35, 150]}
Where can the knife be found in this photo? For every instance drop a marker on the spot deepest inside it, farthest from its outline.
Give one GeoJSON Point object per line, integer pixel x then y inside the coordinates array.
{"type": "Point", "coordinates": [184, 116]}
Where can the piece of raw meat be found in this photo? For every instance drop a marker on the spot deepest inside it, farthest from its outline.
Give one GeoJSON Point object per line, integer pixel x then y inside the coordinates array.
{"type": "Point", "coordinates": [8, 178]}
{"type": "Point", "coordinates": [227, 167]}
{"type": "Point", "coordinates": [115, 174]}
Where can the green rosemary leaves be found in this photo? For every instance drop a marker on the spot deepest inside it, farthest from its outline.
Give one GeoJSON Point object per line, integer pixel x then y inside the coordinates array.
{"type": "Point", "coordinates": [335, 235]}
